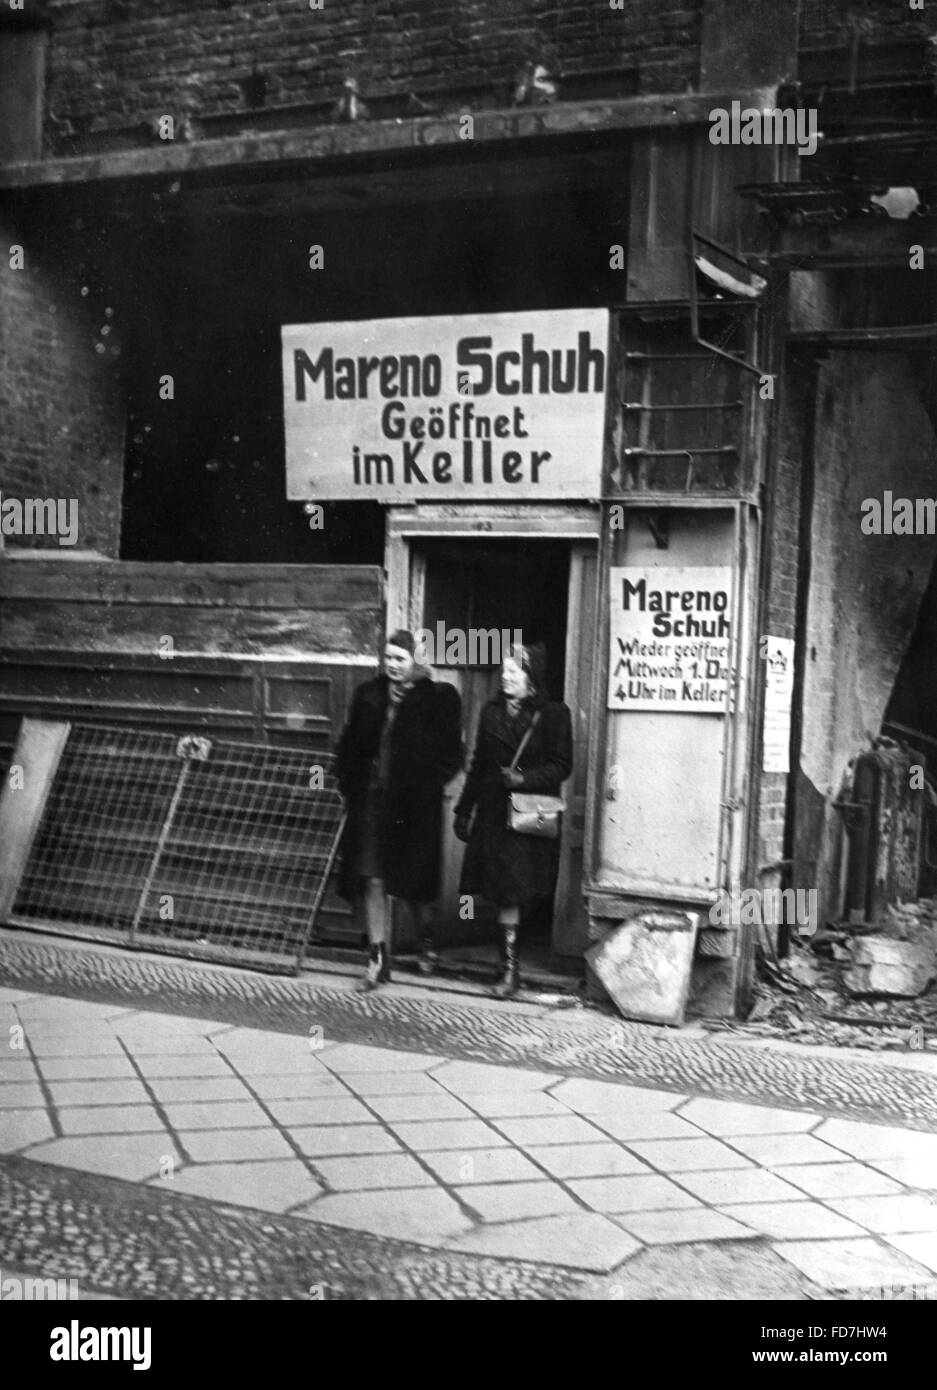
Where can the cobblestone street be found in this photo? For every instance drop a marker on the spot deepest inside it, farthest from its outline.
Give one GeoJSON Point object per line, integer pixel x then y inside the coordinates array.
{"type": "Point", "coordinates": [182, 1131]}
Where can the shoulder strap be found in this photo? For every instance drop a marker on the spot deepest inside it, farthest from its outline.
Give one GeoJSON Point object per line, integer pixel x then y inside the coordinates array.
{"type": "Point", "coordinates": [523, 743]}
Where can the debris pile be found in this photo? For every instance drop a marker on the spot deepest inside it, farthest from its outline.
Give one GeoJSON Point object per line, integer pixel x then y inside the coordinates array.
{"type": "Point", "coordinates": [868, 985]}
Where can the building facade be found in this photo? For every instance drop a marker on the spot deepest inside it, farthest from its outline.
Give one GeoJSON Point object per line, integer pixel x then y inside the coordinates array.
{"type": "Point", "coordinates": [197, 198]}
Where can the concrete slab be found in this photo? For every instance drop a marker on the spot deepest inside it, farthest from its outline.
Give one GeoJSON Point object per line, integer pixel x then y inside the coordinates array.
{"type": "Point", "coordinates": [182, 1064]}
{"type": "Point", "coordinates": [646, 1124]}
{"type": "Point", "coordinates": [111, 1119]}
{"type": "Point", "coordinates": [549, 1129]}
{"type": "Point", "coordinates": [586, 1160]}
{"type": "Point", "coordinates": [740, 1185]}
{"type": "Point", "coordinates": [772, 1150]}
{"type": "Point", "coordinates": [320, 1110]}
{"type": "Point", "coordinates": [851, 1264]}
{"type": "Point", "coordinates": [514, 1201]}
{"type": "Point", "coordinates": [428, 1216]}
{"type": "Point", "coordinates": [595, 1097]}
{"type": "Point", "coordinates": [838, 1180]}
{"type": "Point", "coordinates": [20, 1128]}
{"type": "Point", "coordinates": [276, 1061]}
{"type": "Point", "coordinates": [17, 1067]}
{"type": "Point", "coordinates": [145, 1043]}
{"type": "Point", "coordinates": [580, 1240]}
{"type": "Point", "coordinates": [148, 1021]}
{"type": "Point", "coordinates": [878, 1141]}
{"type": "Point", "coordinates": [233, 1145]}
{"type": "Point", "coordinates": [889, 1215]}
{"type": "Point", "coordinates": [216, 1114]}
{"type": "Point", "coordinates": [913, 1172]}
{"type": "Point", "coordinates": [481, 1166]}
{"type": "Point", "coordinates": [792, 1220]}
{"type": "Point", "coordinates": [640, 1193]}
{"type": "Point", "coordinates": [106, 1091]}
{"type": "Point", "coordinates": [427, 1107]}
{"type": "Point", "coordinates": [242, 1042]}
{"type": "Point", "coordinates": [683, 1227]}
{"type": "Point", "coordinates": [87, 1068]}
{"type": "Point", "coordinates": [921, 1248]}
{"type": "Point", "coordinates": [135, 1157]}
{"type": "Point", "coordinates": [375, 1171]}
{"type": "Point", "coordinates": [688, 1155]}
{"type": "Point", "coordinates": [268, 1186]}
{"type": "Point", "coordinates": [198, 1088]}
{"type": "Point", "coordinates": [287, 1085]}
{"type": "Point", "coordinates": [353, 1057]}
{"type": "Point", "coordinates": [56, 1006]}
{"type": "Point", "coordinates": [16, 996]}
{"type": "Point", "coordinates": [726, 1118]}
{"type": "Point", "coordinates": [518, 1103]}
{"type": "Point", "coordinates": [400, 1083]}
{"type": "Point", "coordinates": [447, 1134]}
{"type": "Point", "coordinates": [21, 1096]}
{"type": "Point", "coordinates": [72, 1044]}
{"type": "Point", "coordinates": [464, 1078]}
{"type": "Point", "coordinates": [326, 1140]}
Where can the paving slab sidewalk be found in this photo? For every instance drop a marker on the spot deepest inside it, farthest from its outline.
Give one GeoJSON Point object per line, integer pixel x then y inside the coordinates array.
{"type": "Point", "coordinates": [463, 1155]}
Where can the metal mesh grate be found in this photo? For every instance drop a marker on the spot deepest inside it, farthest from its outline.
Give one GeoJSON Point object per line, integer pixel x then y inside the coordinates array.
{"type": "Point", "coordinates": [194, 845]}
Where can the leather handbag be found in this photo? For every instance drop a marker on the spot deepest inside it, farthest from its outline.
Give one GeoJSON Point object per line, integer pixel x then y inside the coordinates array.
{"type": "Point", "coordinates": [533, 813]}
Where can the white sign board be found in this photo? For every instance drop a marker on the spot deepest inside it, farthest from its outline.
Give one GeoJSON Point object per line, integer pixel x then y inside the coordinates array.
{"type": "Point", "coordinates": [471, 408]}
{"type": "Point", "coordinates": [671, 632]}
{"type": "Point", "coordinates": [778, 653]}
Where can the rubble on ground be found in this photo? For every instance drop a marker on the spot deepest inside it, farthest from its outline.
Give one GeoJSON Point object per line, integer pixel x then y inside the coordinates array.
{"type": "Point", "coordinates": [868, 985]}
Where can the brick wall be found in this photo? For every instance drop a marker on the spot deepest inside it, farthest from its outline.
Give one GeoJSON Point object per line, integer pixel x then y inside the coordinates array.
{"type": "Point", "coordinates": [113, 63]}
{"type": "Point", "coordinates": [780, 612]}
{"type": "Point", "coordinates": [825, 22]}
{"type": "Point", "coordinates": [60, 403]}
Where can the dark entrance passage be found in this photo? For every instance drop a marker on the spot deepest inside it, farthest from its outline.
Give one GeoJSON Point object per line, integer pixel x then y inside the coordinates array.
{"type": "Point", "coordinates": [485, 586]}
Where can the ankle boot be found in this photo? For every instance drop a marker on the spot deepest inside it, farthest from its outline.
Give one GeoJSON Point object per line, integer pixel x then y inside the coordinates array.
{"type": "Point", "coordinates": [510, 980]}
{"type": "Point", "coordinates": [378, 971]}
{"type": "Point", "coordinates": [429, 956]}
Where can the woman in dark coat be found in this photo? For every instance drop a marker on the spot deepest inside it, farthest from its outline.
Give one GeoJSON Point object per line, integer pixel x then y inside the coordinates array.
{"type": "Point", "coordinates": [400, 746]}
{"type": "Point", "coordinates": [507, 868]}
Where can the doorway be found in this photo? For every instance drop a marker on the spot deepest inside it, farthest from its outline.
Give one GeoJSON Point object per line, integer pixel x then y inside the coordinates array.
{"type": "Point", "coordinates": [507, 584]}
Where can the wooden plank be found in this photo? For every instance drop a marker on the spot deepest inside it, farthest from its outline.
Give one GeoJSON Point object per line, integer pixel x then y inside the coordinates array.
{"type": "Point", "coordinates": [309, 587]}
{"type": "Point", "coordinates": [130, 627]}
{"type": "Point", "coordinates": [38, 751]}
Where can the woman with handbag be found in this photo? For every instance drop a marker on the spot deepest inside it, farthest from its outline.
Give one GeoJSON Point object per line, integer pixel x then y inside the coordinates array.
{"type": "Point", "coordinates": [523, 753]}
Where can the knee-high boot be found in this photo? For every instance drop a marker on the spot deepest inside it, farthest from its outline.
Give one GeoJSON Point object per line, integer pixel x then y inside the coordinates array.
{"type": "Point", "coordinates": [508, 984]}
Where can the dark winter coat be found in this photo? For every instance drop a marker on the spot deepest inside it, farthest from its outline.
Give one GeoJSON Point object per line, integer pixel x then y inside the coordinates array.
{"type": "Point", "coordinates": [507, 868]}
{"type": "Point", "coordinates": [426, 752]}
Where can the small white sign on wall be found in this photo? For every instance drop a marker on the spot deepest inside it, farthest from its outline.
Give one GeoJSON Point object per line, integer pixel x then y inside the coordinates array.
{"type": "Point", "coordinates": [778, 654]}
{"type": "Point", "coordinates": [671, 636]}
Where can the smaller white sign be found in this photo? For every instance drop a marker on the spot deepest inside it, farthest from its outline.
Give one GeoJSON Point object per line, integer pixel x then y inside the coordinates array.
{"type": "Point", "coordinates": [671, 634]}
{"type": "Point", "coordinates": [778, 654]}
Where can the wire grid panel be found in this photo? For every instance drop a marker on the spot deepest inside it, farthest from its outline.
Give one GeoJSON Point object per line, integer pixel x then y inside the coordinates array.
{"type": "Point", "coordinates": [192, 845]}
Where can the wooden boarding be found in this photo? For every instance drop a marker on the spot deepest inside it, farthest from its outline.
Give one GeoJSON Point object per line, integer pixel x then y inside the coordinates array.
{"type": "Point", "coordinates": [645, 964]}
{"type": "Point", "coordinates": [38, 752]}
